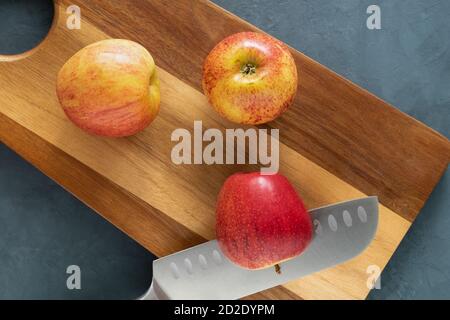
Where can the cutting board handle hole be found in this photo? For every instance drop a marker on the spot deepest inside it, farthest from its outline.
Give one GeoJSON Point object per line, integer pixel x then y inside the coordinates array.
{"type": "Point", "coordinates": [25, 25]}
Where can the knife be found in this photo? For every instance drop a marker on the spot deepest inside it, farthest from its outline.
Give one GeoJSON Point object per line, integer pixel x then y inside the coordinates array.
{"type": "Point", "coordinates": [342, 231]}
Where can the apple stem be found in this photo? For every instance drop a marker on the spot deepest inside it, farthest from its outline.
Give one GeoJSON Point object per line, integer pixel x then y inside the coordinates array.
{"type": "Point", "coordinates": [278, 269]}
{"type": "Point", "coordinates": [248, 69]}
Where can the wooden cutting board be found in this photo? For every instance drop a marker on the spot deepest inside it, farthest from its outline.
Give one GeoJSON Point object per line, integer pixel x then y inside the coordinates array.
{"type": "Point", "coordinates": [338, 141]}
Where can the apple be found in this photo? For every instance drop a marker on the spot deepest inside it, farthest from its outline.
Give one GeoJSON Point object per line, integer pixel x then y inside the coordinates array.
{"type": "Point", "coordinates": [261, 221]}
{"type": "Point", "coordinates": [250, 78]}
{"type": "Point", "coordinates": [110, 88]}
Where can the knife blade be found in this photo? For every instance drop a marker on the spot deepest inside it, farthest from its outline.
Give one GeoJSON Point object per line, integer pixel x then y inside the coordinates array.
{"type": "Point", "coordinates": [342, 231]}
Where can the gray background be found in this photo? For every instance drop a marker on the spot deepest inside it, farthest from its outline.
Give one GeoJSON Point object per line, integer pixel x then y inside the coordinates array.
{"type": "Point", "coordinates": [43, 229]}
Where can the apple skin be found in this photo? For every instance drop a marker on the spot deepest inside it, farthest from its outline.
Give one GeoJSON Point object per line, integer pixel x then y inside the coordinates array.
{"type": "Point", "coordinates": [261, 221]}
{"type": "Point", "coordinates": [110, 88]}
{"type": "Point", "coordinates": [245, 95]}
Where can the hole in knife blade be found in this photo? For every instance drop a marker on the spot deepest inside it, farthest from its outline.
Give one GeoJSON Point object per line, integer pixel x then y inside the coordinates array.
{"type": "Point", "coordinates": [217, 257]}
{"type": "Point", "coordinates": [318, 227]}
{"type": "Point", "coordinates": [188, 265]}
{"type": "Point", "coordinates": [203, 262]}
{"type": "Point", "coordinates": [347, 218]}
{"type": "Point", "coordinates": [332, 223]}
{"type": "Point", "coordinates": [175, 271]}
{"type": "Point", "coordinates": [362, 214]}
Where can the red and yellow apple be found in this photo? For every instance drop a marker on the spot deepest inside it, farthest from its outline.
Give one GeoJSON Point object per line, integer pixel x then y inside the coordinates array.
{"type": "Point", "coordinates": [250, 78]}
{"type": "Point", "coordinates": [261, 221]}
{"type": "Point", "coordinates": [110, 88]}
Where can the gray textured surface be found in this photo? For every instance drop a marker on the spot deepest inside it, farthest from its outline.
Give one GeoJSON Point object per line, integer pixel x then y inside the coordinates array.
{"type": "Point", "coordinates": [43, 229]}
{"type": "Point", "coordinates": [23, 24]}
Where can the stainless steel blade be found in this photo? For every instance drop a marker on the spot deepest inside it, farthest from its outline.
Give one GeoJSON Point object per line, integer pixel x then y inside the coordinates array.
{"type": "Point", "coordinates": [342, 231]}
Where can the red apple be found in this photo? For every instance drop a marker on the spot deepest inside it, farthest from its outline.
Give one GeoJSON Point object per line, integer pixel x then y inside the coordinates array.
{"type": "Point", "coordinates": [250, 78]}
{"type": "Point", "coordinates": [110, 88]}
{"type": "Point", "coordinates": [261, 221]}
